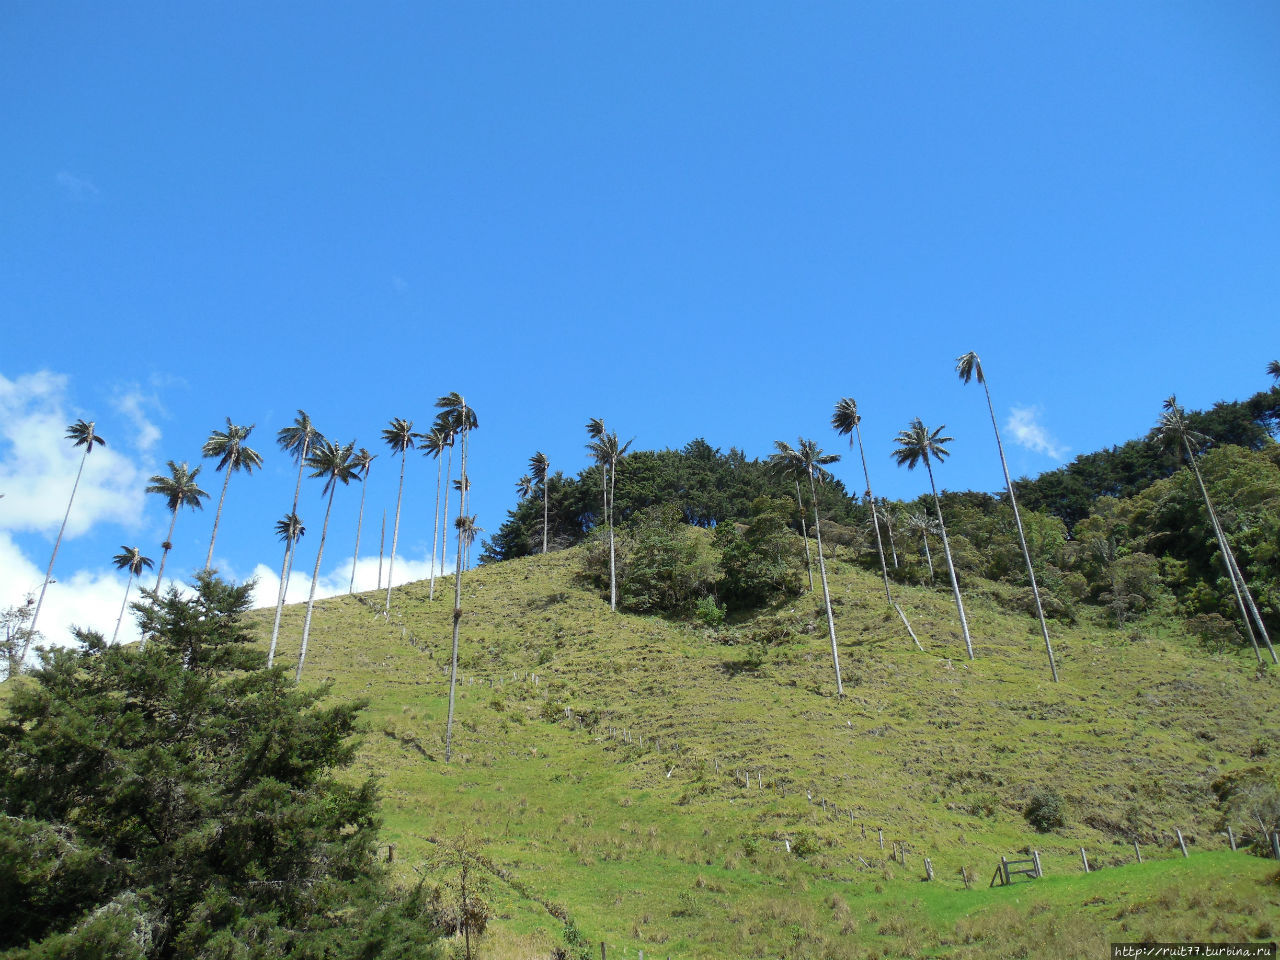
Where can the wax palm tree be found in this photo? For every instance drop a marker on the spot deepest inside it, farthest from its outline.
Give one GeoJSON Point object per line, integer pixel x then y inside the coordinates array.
{"type": "Point", "coordinates": [131, 559]}
{"type": "Point", "coordinates": [458, 417]}
{"type": "Point", "coordinates": [364, 460]}
{"type": "Point", "coordinates": [525, 487]}
{"type": "Point", "coordinates": [1273, 370]}
{"type": "Point", "coordinates": [924, 525]}
{"type": "Point", "coordinates": [399, 435]}
{"type": "Point", "coordinates": [847, 422]}
{"type": "Point", "coordinates": [229, 447]}
{"type": "Point", "coordinates": [784, 468]}
{"type": "Point", "coordinates": [433, 443]}
{"type": "Point", "coordinates": [443, 424]}
{"type": "Point", "coordinates": [467, 532]}
{"type": "Point", "coordinates": [1175, 429]}
{"type": "Point", "coordinates": [539, 468]}
{"type": "Point", "coordinates": [808, 458]}
{"type": "Point", "coordinates": [915, 445]}
{"type": "Point", "coordinates": [336, 464]}
{"type": "Point", "coordinates": [179, 489]}
{"type": "Point", "coordinates": [886, 517]}
{"type": "Point", "coordinates": [290, 531]}
{"type": "Point", "coordinates": [969, 366]}
{"type": "Point", "coordinates": [297, 440]}
{"type": "Point", "coordinates": [607, 451]}
{"type": "Point", "coordinates": [81, 434]}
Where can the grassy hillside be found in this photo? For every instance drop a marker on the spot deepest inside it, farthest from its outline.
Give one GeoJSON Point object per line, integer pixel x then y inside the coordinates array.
{"type": "Point", "coordinates": [645, 777]}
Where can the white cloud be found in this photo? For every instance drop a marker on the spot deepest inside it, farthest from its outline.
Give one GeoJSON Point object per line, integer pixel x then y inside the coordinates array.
{"type": "Point", "coordinates": [133, 403]}
{"type": "Point", "coordinates": [335, 582]}
{"type": "Point", "coordinates": [86, 598]}
{"type": "Point", "coordinates": [1027, 432]}
{"type": "Point", "coordinates": [38, 465]}
{"type": "Point", "coordinates": [77, 188]}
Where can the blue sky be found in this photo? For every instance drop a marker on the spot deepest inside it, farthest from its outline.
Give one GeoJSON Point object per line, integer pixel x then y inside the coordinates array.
{"type": "Point", "coordinates": [706, 219]}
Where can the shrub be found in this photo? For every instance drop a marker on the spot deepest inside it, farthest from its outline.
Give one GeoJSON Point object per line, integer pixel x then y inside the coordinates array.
{"type": "Point", "coordinates": [1046, 810]}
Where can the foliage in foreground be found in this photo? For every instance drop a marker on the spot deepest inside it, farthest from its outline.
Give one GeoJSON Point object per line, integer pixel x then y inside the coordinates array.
{"type": "Point", "coordinates": [181, 801]}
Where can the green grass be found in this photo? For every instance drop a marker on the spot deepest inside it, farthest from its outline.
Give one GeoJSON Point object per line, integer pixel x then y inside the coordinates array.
{"type": "Point", "coordinates": [940, 752]}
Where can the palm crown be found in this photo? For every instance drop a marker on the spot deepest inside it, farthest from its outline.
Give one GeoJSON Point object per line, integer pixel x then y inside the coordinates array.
{"type": "Point", "coordinates": [399, 435]}
{"type": "Point", "coordinates": [180, 487]}
{"type": "Point", "coordinates": [455, 414]}
{"type": "Point", "coordinates": [525, 486]}
{"type": "Point", "coordinates": [290, 529]}
{"type": "Point", "coordinates": [846, 418]}
{"type": "Point", "coordinates": [968, 365]}
{"type": "Point", "coordinates": [230, 447]}
{"type": "Point", "coordinates": [916, 444]}
{"type": "Point", "coordinates": [538, 466]}
{"type": "Point", "coordinates": [806, 457]}
{"type": "Point", "coordinates": [363, 459]}
{"type": "Point", "coordinates": [299, 437]}
{"type": "Point", "coordinates": [334, 463]}
{"type": "Point", "coordinates": [1174, 428]}
{"type": "Point", "coordinates": [82, 433]}
{"type": "Point", "coordinates": [1273, 369]}
{"type": "Point", "coordinates": [435, 440]}
{"type": "Point", "coordinates": [131, 558]}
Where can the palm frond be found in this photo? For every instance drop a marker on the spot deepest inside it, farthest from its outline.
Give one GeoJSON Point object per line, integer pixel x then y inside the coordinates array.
{"type": "Point", "coordinates": [968, 365]}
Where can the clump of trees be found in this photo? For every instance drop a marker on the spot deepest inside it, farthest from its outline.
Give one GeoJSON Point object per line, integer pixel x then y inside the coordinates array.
{"type": "Point", "coordinates": [183, 801]}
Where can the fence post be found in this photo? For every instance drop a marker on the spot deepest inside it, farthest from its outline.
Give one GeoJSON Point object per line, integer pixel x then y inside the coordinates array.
{"type": "Point", "coordinates": [1137, 851]}
{"type": "Point", "coordinates": [1231, 836]}
{"type": "Point", "coordinates": [602, 956]}
{"type": "Point", "coordinates": [880, 834]}
{"type": "Point", "coordinates": [1275, 844]}
{"type": "Point", "coordinates": [1182, 843]}
{"type": "Point", "coordinates": [1084, 859]}
{"type": "Point", "coordinates": [928, 868]}
{"type": "Point", "coordinates": [1035, 858]}
{"type": "Point", "coordinates": [964, 875]}
{"type": "Point", "coordinates": [1004, 870]}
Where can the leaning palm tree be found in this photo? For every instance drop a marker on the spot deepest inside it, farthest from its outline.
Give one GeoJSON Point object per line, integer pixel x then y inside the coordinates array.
{"type": "Point", "coordinates": [234, 455]}
{"type": "Point", "coordinates": [782, 467]}
{"type": "Point", "coordinates": [917, 444]}
{"type": "Point", "coordinates": [461, 419]}
{"type": "Point", "coordinates": [82, 434]}
{"type": "Point", "coordinates": [131, 559]}
{"type": "Point", "coordinates": [433, 443]}
{"type": "Point", "coordinates": [967, 367]}
{"type": "Point", "coordinates": [298, 440]}
{"type": "Point", "coordinates": [923, 525]}
{"type": "Point", "coordinates": [539, 467]}
{"type": "Point", "coordinates": [607, 451]}
{"type": "Point", "coordinates": [335, 464]}
{"type": "Point", "coordinates": [364, 460]}
{"type": "Point", "coordinates": [179, 489]}
{"type": "Point", "coordinates": [808, 458]}
{"type": "Point", "coordinates": [290, 531]}
{"type": "Point", "coordinates": [1175, 429]}
{"type": "Point", "coordinates": [847, 422]}
{"type": "Point", "coordinates": [398, 435]}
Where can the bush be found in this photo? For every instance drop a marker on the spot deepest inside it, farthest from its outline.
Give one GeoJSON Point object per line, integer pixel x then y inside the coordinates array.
{"type": "Point", "coordinates": [1046, 810]}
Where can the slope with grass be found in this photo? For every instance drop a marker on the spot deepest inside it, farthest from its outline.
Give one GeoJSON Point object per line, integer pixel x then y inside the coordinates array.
{"type": "Point", "coordinates": [670, 788]}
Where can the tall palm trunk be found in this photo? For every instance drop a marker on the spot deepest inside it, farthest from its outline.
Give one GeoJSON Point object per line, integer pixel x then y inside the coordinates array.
{"type": "Point", "coordinates": [444, 533]}
{"type": "Point", "coordinates": [1022, 537]}
{"type": "Point", "coordinates": [285, 571]}
{"type": "Point", "coordinates": [928, 557]}
{"type": "Point", "coordinates": [804, 534]}
{"type": "Point", "coordinates": [395, 534]}
{"type": "Point", "coordinates": [435, 531]}
{"type": "Point", "coordinates": [1243, 596]}
{"type": "Point", "coordinates": [1235, 586]}
{"type": "Point", "coordinates": [613, 563]}
{"type": "Point", "coordinates": [382, 547]}
{"type": "Point", "coordinates": [315, 576]}
{"type": "Point", "coordinates": [826, 593]}
{"type": "Point", "coordinates": [545, 514]}
{"type": "Point", "coordinates": [125, 604]}
{"type": "Point", "coordinates": [364, 487]}
{"type": "Point", "coordinates": [951, 567]}
{"type": "Point", "coordinates": [217, 518]}
{"type": "Point", "coordinates": [866, 474]}
{"type": "Point", "coordinates": [168, 545]}
{"type": "Point", "coordinates": [289, 544]}
{"type": "Point", "coordinates": [457, 591]}
{"type": "Point", "coordinates": [58, 542]}
{"type": "Point", "coordinates": [893, 547]}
